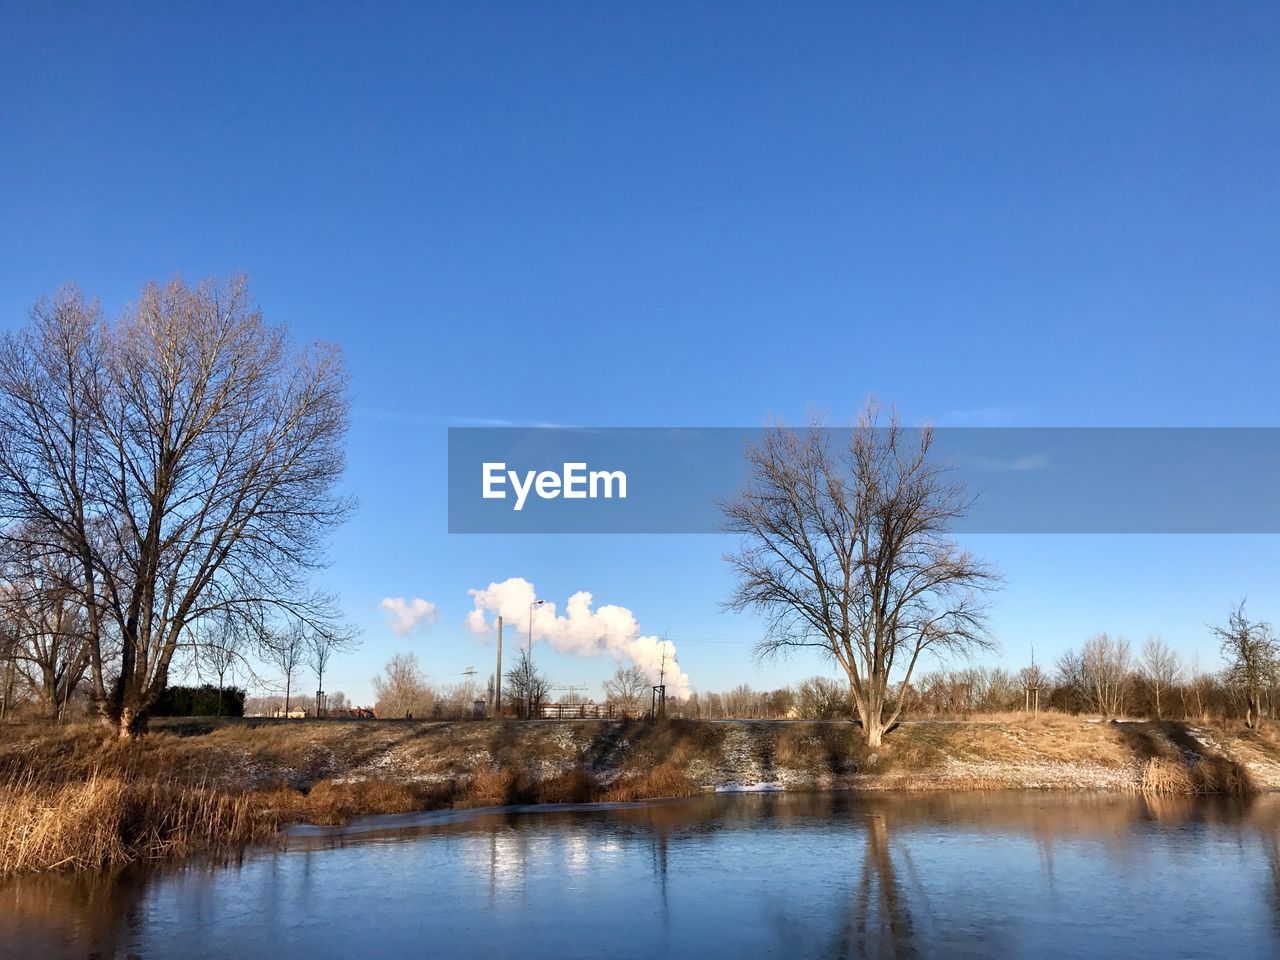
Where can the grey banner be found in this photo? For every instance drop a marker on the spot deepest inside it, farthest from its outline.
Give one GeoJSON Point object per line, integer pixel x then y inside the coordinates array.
{"type": "Point", "coordinates": [1023, 480]}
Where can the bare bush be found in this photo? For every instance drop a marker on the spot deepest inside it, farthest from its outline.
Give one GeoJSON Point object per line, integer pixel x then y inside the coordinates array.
{"type": "Point", "coordinates": [402, 689]}
{"type": "Point", "coordinates": [627, 690]}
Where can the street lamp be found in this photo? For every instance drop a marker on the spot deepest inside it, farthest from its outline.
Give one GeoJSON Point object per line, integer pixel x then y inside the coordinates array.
{"type": "Point", "coordinates": [529, 658]}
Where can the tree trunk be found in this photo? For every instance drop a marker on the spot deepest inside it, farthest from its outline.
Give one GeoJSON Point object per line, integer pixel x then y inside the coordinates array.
{"type": "Point", "coordinates": [125, 712]}
{"type": "Point", "coordinates": [872, 716]}
{"type": "Point", "coordinates": [873, 733]}
{"type": "Point", "coordinates": [132, 723]}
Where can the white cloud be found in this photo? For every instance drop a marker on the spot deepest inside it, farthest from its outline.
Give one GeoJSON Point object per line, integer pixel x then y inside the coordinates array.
{"type": "Point", "coordinates": [403, 615]}
{"type": "Point", "coordinates": [583, 631]}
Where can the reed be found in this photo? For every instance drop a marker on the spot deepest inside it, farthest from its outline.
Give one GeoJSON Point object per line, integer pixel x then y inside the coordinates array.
{"type": "Point", "coordinates": [662, 781]}
{"type": "Point", "coordinates": [71, 798]}
{"type": "Point", "coordinates": [106, 821]}
{"type": "Point", "coordinates": [1164, 777]}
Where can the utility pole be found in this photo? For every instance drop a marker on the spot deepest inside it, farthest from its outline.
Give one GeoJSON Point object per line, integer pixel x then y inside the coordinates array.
{"type": "Point", "coordinates": [497, 677]}
{"type": "Point", "coordinates": [658, 705]}
{"type": "Point", "coordinates": [529, 660]}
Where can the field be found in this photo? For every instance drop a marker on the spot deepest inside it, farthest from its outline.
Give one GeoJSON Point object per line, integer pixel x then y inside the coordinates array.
{"type": "Point", "coordinates": [72, 799]}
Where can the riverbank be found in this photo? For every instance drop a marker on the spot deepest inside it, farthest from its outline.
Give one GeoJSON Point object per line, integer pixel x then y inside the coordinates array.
{"type": "Point", "coordinates": [69, 798]}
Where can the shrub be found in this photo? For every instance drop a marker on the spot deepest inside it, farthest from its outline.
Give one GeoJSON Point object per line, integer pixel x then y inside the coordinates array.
{"type": "Point", "coordinates": [203, 701]}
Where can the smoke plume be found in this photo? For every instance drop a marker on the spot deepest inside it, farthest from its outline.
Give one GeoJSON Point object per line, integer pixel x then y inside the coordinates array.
{"type": "Point", "coordinates": [608, 629]}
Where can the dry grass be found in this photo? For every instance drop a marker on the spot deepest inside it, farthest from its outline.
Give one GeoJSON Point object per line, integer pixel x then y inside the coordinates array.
{"type": "Point", "coordinates": [824, 752]}
{"type": "Point", "coordinates": [69, 798]}
{"type": "Point", "coordinates": [665, 780]}
{"type": "Point", "coordinates": [575, 785]}
{"type": "Point", "coordinates": [107, 821]}
{"type": "Point", "coordinates": [491, 786]}
{"type": "Point", "coordinates": [332, 802]}
{"type": "Point", "coordinates": [1163, 777]}
{"type": "Point", "coordinates": [1166, 778]}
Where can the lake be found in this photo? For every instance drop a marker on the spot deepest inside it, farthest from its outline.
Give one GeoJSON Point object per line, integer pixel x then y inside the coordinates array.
{"type": "Point", "coordinates": [757, 875]}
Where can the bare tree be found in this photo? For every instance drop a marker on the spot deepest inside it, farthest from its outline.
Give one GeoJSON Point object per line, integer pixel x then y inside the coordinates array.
{"type": "Point", "coordinates": [846, 550]}
{"type": "Point", "coordinates": [402, 689]}
{"type": "Point", "coordinates": [184, 459]}
{"type": "Point", "coordinates": [626, 690]}
{"type": "Point", "coordinates": [50, 654]}
{"type": "Point", "coordinates": [322, 644]}
{"type": "Point", "coordinates": [529, 688]}
{"type": "Point", "coordinates": [1251, 652]}
{"type": "Point", "coordinates": [8, 666]}
{"type": "Point", "coordinates": [1161, 668]}
{"type": "Point", "coordinates": [219, 646]}
{"type": "Point", "coordinates": [1032, 676]}
{"type": "Point", "coordinates": [1104, 665]}
{"type": "Point", "coordinates": [287, 649]}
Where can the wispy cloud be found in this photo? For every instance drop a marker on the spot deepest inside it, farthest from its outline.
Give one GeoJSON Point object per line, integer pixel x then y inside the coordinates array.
{"type": "Point", "coordinates": [404, 615]}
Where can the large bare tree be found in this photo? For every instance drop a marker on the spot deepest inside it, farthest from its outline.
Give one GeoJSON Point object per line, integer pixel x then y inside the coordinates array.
{"type": "Point", "coordinates": [846, 549]}
{"type": "Point", "coordinates": [1253, 658]}
{"type": "Point", "coordinates": [184, 458]}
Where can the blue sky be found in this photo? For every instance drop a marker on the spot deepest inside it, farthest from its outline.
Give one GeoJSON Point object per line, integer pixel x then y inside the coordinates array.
{"type": "Point", "coordinates": [688, 214]}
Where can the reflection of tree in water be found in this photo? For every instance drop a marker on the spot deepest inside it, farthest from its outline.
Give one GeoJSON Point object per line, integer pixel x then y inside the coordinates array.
{"type": "Point", "coordinates": [888, 912]}
{"type": "Point", "coordinates": [101, 911]}
{"type": "Point", "coordinates": [1271, 846]}
{"type": "Point", "coordinates": [854, 893]}
{"type": "Point", "coordinates": [658, 854]}
{"type": "Point", "coordinates": [879, 921]}
{"type": "Point", "coordinates": [1269, 839]}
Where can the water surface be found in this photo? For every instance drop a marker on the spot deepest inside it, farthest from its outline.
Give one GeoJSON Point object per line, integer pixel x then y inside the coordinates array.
{"type": "Point", "coordinates": [795, 876]}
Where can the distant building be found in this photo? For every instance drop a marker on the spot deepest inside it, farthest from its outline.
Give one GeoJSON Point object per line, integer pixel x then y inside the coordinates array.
{"type": "Point", "coordinates": [294, 713]}
{"type": "Point", "coordinates": [351, 713]}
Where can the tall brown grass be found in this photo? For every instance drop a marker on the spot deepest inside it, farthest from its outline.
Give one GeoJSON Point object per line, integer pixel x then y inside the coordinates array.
{"type": "Point", "coordinates": [71, 799]}
{"type": "Point", "coordinates": [662, 781]}
{"type": "Point", "coordinates": [107, 821]}
{"type": "Point", "coordinates": [1163, 777]}
{"type": "Point", "coordinates": [335, 802]}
